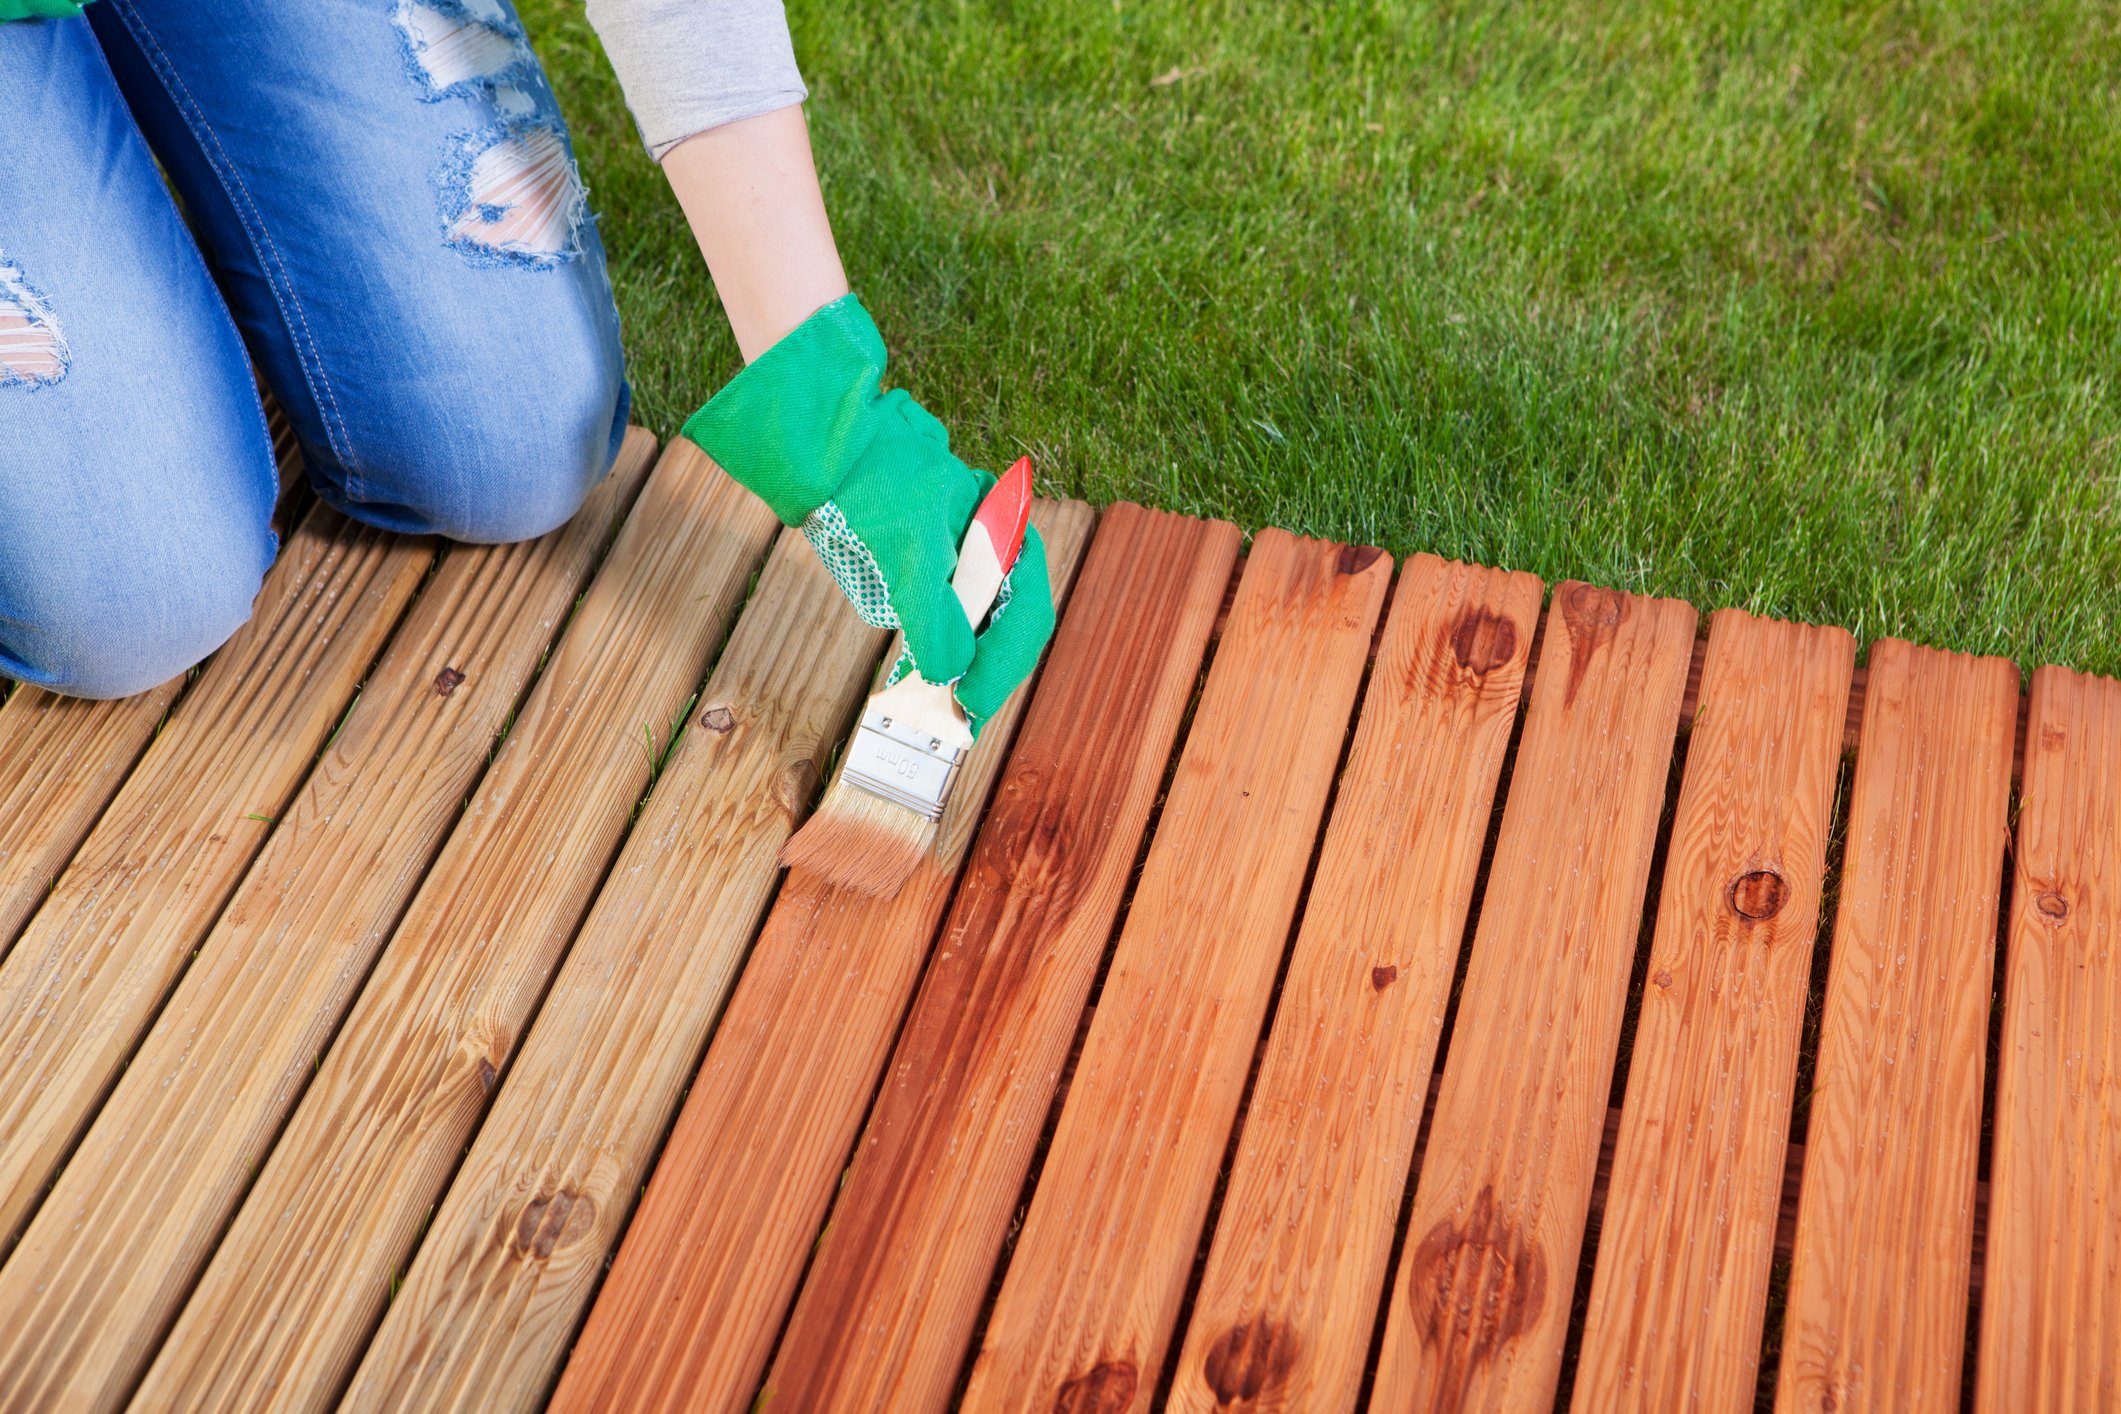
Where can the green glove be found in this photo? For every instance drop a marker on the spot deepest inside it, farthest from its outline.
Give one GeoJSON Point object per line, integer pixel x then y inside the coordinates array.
{"type": "Point", "coordinates": [870, 479]}
{"type": "Point", "coordinates": [39, 9]}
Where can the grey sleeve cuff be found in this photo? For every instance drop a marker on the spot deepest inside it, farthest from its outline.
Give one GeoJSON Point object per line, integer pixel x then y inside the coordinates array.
{"type": "Point", "coordinates": [690, 65]}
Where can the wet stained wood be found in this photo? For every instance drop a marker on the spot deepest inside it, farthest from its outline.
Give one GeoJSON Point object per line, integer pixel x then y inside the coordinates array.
{"type": "Point", "coordinates": [2051, 1305]}
{"type": "Point", "coordinates": [61, 761]}
{"type": "Point", "coordinates": [508, 1264]}
{"type": "Point", "coordinates": [1100, 1268]}
{"type": "Point", "coordinates": [1479, 1305]}
{"type": "Point", "coordinates": [287, 1303]}
{"type": "Point", "coordinates": [1878, 1285]}
{"type": "Point", "coordinates": [87, 975]}
{"type": "Point", "coordinates": [887, 1313]}
{"type": "Point", "coordinates": [1679, 1294]}
{"type": "Point", "coordinates": [687, 1317]}
{"type": "Point", "coordinates": [98, 1275]}
{"type": "Point", "coordinates": [1286, 1307]}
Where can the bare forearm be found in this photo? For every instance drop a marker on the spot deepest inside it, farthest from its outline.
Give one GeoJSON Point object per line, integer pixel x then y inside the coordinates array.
{"type": "Point", "coordinates": [750, 191]}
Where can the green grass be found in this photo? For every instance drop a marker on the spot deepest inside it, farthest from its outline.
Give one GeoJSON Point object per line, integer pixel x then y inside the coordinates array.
{"type": "Point", "coordinates": [1802, 308]}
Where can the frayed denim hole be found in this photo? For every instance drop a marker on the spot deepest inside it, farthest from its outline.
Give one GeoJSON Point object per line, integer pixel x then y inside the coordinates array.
{"type": "Point", "coordinates": [455, 48]}
{"type": "Point", "coordinates": [33, 351]}
{"type": "Point", "coordinates": [511, 197]}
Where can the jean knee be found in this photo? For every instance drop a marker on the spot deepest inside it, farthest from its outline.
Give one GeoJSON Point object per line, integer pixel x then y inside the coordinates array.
{"type": "Point", "coordinates": [500, 456]}
{"type": "Point", "coordinates": [117, 628]}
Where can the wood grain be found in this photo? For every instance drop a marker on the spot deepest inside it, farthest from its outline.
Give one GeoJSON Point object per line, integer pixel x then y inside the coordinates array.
{"type": "Point", "coordinates": [2051, 1308]}
{"type": "Point", "coordinates": [1687, 1238]}
{"type": "Point", "coordinates": [687, 1317]}
{"type": "Point", "coordinates": [61, 761]}
{"type": "Point", "coordinates": [888, 1310]}
{"type": "Point", "coordinates": [1288, 1301]}
{"type": "Point", "coordinates": [292, 1292]}
{"type": "Point", "coordinates": [508, 1264]}
{"type": "Point", "coordinates": [1480, 1304]}
{"type": "Point", "coordinates": [85, 979]}
{"type": "Point", "coordinates": [1878, 1283]}
{"type": "Point", "coordinates": [1094, 1286]}
{"type": "Point", "coordinates": [100, 1272]}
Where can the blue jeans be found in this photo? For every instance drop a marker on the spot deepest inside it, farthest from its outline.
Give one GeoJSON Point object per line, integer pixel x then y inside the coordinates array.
{"type": "Point", "coordinates": [380, 201]}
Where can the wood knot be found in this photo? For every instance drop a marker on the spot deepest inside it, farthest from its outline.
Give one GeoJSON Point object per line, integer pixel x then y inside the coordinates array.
{"type": "Point", "coordinates": [718, 720]}
{"type": "Point", "coordinates": [446, 681]}
{"type": "Point", "coordinates": [1251, 1360]}
{"type": "Point", "coordinates": [1758, 895]}
{"type": "Point", "coordinates": [488, 1074]}
{"type": "Point", "coordinates": [1663, 977]}
{"type": "Point", "coordinates": [2052, 905]}
{"type": "Point", "coordinates": [1354, 559]}
{"type": "Point", "coordinates": [1383, 977]}
{"type": "Point", "coordinates": [795, 786]}
{"type": "Point", "coordinates": [1478, 1286]}
{"type": "Point", "coordinates": [1483, 641]}
{"type": "Point", "coordinates": [548, 1224]}
{"type": "Point", "coordinates": [1107, 1388]}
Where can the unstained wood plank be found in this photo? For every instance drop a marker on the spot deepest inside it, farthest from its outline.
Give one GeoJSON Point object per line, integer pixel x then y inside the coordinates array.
{"type": "Point", "coordinates": [687, 1317]}
{"type": "Point", "coordinates": [1480, 1304]}
{"type": "Point", "coordinates": [505, 1269]}
{"type": "Point", "coordinates": [86, 977]}
{"type": "Point", "coordinates": [99, 1273]}
{"type": "Point", "coordinates": [288, 1300]}
{"type": "Point", "coordinates": [1286, 1307]}
{"type": "Point", "coordinates": [1878, 1282]}
{"type": "Point", "coordinates": [1094, 1286]}
{"type": "Point", "coordinates": [889, 1308]}
{"type": "Point", "coordinates": [1688, 1233]}
{"type": "Point", "coordinates": [2051, 1306]}
{"type": "Point", "coordinates": [61, 761]}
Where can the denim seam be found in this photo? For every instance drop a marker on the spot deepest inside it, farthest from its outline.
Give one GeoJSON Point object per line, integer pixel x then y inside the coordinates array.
{"type": "Point", "coordinates": [232, 183]}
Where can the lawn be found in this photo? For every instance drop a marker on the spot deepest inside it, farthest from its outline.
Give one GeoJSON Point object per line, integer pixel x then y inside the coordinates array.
{"type": "Point", "coordinates": [1805, 308]}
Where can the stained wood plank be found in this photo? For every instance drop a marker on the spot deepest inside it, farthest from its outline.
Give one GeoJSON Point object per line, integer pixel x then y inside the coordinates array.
{"type": "Point", "coordinates": [1094, 1286]}
{"type": "Point", "coordinates": [87, 975]}
{"type": "Point", "coordinates": [292, 1292]}
{"type": "Point", "coordinates": [1878, 1283]}
{"type": "Point", "coordinates": [61, 761]}
{"type": "Point", "coordinates": [1286, 1306]}
{"type": "Point", "coordinates": [888, 1310]}
{"type": "Point", "coordinates": [687, 1317]}
{"type": "Point", "coordinates": [506, 1267]}
{"type": "Point", "coordinates": [2051, 1310]}
{"type": "Point", "coordinates": [1687, 1240]}
{"type": "Point", "coordinates": [100, 1272]}
{"type": "Point", "coordinates": [1480, 1304]}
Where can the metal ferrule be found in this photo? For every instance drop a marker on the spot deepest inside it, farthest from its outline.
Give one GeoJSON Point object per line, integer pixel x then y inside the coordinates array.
{"type": "Point", "coordinates": [901, 764]}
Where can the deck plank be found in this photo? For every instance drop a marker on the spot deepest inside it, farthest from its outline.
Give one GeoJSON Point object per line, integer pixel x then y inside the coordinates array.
{"type": "Point", "coordinates": [1098, 1274]}
{"type": "Point", "coordinates": [1687, 1237]}
{"type": "Point", "coordinates": [288, 1300]}
{"type": "Point", "coordinates": [1480, 1305]}
{"type": "Point", "coordinates": [1289, 1297]}
{"type": "Point", "coordinates": [2051, 1306]}
{"type": "Point", "coordinates": [99, 1273]}
{"type": "Point", "coordinates": [507, 1266]}
{"type": "Point", "coordinates": [888, 1310]}
{"type": "Point", "coordinates": [89, 972]}
{"type": "Point", "coordinates": [1878, 1283]}
{"type": "Point", "coordinates": [61, 761]}
{"type": "Point", "coordinates": [687, 1317]}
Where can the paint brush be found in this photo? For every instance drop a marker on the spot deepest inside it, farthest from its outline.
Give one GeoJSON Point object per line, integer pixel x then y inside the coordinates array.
{"type": "Point", "coordinates": [881, 813]}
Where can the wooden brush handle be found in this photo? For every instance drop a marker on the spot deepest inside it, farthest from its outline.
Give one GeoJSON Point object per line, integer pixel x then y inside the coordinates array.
{"type": "Point", "coordinates": [992, 541]}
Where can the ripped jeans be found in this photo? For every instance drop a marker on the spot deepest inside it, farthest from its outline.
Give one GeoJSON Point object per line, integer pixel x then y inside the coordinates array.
{"type": "Point", "coordinates": [382, 204]}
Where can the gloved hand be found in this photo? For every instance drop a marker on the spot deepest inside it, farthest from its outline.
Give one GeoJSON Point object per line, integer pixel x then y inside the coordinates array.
{"type": "Point", "coordinates": [870, 479]}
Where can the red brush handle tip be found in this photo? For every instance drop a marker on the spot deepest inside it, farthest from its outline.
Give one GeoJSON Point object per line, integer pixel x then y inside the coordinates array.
{"type": "Point", "coordinates": [1006, 512]}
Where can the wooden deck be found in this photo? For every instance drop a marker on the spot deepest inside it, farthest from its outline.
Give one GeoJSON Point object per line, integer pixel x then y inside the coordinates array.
{"type": "Point", "coordinates": [1339, 985]}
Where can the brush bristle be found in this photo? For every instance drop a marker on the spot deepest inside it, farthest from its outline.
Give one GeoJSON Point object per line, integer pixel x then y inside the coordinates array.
{"type": "Point", "coordinates": [860, 842]}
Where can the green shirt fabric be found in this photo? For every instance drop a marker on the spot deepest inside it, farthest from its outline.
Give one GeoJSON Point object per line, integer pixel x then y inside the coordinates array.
{"type": "Point", "coordinates": [39, 9]}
